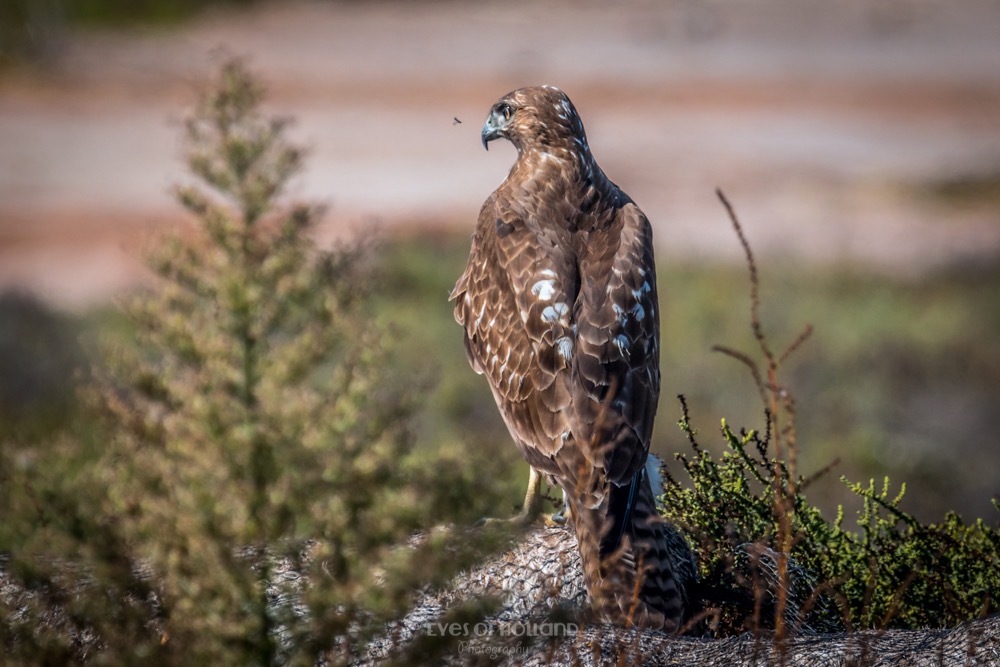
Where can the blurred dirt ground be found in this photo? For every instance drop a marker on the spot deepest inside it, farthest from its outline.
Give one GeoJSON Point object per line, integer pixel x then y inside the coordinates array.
{"type": "Point", "coordinates": [865, 133]}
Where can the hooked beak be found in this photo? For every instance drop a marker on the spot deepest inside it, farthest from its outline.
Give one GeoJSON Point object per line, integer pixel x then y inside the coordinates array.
{"type": "Point", "coordinates": [492, 129]}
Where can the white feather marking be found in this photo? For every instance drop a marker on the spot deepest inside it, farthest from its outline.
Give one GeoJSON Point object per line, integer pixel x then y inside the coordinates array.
{"type": "Point", "coordinates": [548, 273]}
{"type": "Point", "coordinates": [557, 311]}
{"type": "Point", "coordinates": [565, 345]}
{"type": "Point", "coordinates": [637, 293]}
{"type": "Point", "coordinates": [563, 311]}
{"type": "Point", "coordinates": [621, 342]}
{"type": "Point", "coordinates": [544, 289]}
{"type": "Point", "coordinates": [639, 312]}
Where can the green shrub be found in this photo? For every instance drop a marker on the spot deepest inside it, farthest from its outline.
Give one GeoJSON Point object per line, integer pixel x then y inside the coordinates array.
{"type": "Point", "coordinates": [256, 437]}
{"type": "Point", "coordinates": [888, 571]}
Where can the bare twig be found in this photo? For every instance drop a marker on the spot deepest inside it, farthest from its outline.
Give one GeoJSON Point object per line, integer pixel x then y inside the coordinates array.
{"type": "Point", "coordinates": [801, 338]}
{"type": "Point", "coordinates": [758, 331]}
{"type": "Point", "coordinates": [745, 359]}
{"type": "Point", "coordinates": [777, 401]}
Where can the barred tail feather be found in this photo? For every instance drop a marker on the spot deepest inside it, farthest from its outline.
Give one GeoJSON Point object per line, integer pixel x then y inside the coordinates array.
{"type": "Point", "coordinates": [644, 582]}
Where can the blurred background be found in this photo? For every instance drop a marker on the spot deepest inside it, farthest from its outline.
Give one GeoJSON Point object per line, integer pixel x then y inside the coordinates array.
{"type": "Point", "coordinates": [858, 141]}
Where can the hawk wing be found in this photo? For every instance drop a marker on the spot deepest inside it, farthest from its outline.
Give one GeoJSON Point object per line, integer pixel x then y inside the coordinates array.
{"type": "Point", "coordinates": [617, 363]}
{"type": "Point", "coordinates": [566, 330]}
{"type": "Point", "coordinates": [515, 302]}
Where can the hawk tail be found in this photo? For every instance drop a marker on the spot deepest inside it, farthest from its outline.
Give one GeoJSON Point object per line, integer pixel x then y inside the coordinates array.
{"type": "Point", "coordinates": [621, 501]}
{"type": "Point", "coordinates": [644, 581]}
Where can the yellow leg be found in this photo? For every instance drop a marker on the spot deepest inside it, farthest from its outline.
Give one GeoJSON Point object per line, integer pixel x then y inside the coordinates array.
{"type": "Point", "coordinates": [532, 498]}
{"type": "Point", "coordinates": [532, 503]}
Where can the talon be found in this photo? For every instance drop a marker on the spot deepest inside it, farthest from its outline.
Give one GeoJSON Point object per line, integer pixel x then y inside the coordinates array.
{"type": "Point", "coordinates": [532, 505]}
{"type": "Point", "coordinates": [557, 519]}
{"type": "Point", "coordinates": [560, 517]}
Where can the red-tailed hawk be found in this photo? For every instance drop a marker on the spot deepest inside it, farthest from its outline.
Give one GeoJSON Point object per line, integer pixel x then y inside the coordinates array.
{"type": "Point", "coordinates": [559, 307]}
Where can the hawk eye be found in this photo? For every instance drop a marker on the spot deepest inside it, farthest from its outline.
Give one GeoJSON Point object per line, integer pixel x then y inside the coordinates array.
{"type": "Point", "coordinates": [506, 111]}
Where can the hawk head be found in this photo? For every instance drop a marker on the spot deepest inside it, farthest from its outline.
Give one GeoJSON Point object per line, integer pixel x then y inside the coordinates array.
{"type": "Point", "coordinates": [536, 117]}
